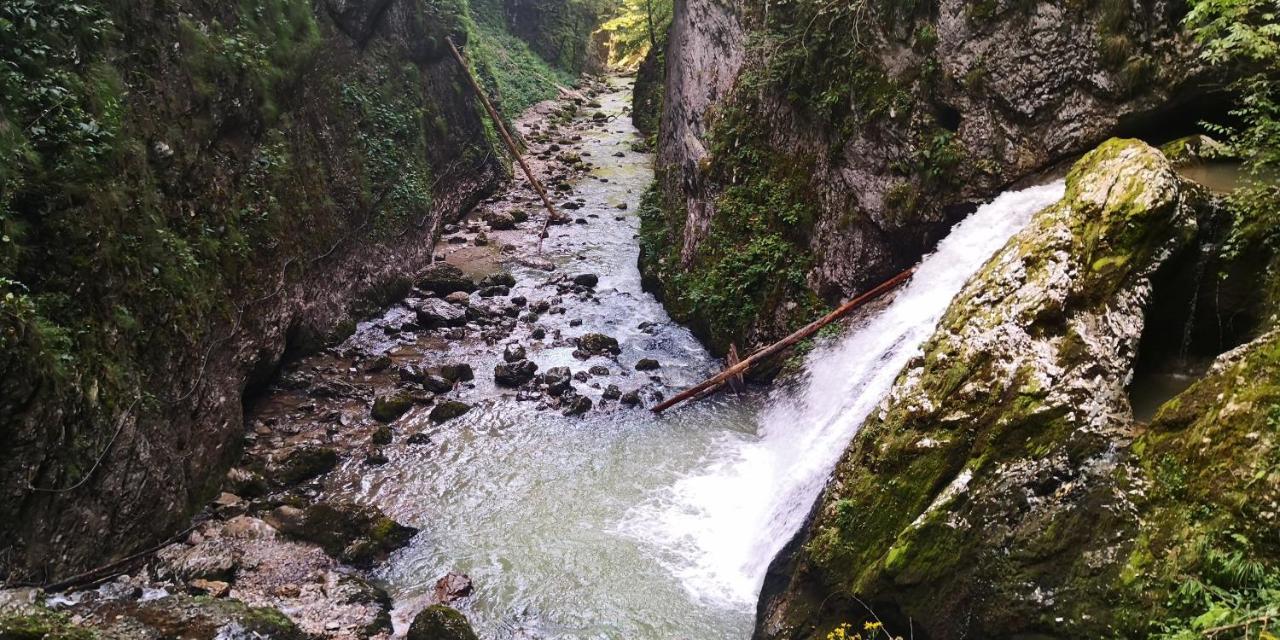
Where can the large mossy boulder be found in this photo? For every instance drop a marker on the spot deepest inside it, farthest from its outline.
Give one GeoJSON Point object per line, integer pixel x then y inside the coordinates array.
{"type": "Point", "coordinates": [995, 493]}
{"type": "Point", "coordinates": [439, 622]}
{"type": "Point", "coordinates": [357, 534]}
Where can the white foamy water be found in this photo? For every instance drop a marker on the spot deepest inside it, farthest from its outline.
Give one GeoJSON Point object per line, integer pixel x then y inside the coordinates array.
{"type": "Point", "coordinates": [718, 528]}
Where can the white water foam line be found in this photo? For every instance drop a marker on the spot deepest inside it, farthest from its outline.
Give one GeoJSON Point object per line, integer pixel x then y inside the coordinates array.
{"type": "Point", "coordinates": [717, 530]}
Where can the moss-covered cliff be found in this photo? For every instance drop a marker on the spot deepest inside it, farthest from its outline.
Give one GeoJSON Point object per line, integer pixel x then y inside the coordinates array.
{"type": "Point", "coordinates": [1004, 489]}
{"type": "Point", "coordinates": [187, 190]}
{"type": "Point", "coordinates": [809, 150]}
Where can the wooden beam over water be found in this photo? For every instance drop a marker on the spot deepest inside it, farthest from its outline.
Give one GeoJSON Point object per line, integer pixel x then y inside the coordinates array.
{"type": "Point", "coordinates": [777, 347]}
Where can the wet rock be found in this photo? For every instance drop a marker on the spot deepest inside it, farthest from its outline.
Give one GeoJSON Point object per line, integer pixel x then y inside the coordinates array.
{"type": "Point", "coordinates": [538, 333]}
{"type": "Point", "coordinates": [374, 457]}
{"type": "Point", "coordinates": [305, 463]}
{"type": "Point", "coordinates": [418, 438]}
{"type": "Point", "coordinates": [494, 291]}
{"type": "Point", "coordinates": [434, 313]}
{"type": "Point", "coordinates": [631, 398]}
{"type": "Point", "coordinates": [599, 370]}
{"type": "Point", "coordinates": [381, 436]}
{"type": "Point", "coordinates": [378, 364]}
{"type": "Point", "coordinates": [448, 410]}
{"type": "Point", "coordinates": [411, 373]}
{"type": "Point", "coordinates": [437, 384]}
{"type": "Point", "coordinates": [500, 279]}
{"type": "Point", "coordinates": [247, 528]}
{"type": "Point", "coordinates": [389, 408]}
{"type": "Point", "coordinates": [185, 616]}
{"type": "Point", "coordinates": [577, 405]}
{"type": "Point", "coordinates": [439, 622]}
{"type": "Point", "coordinates": [209, 560]}
{"type": "Point", "coordinates": [513, 352]}
{"type": "Point", "coordinates": [452, 588]}
{"type": "Point", "coordinates": [211, 588]}
{"type": "Point", "coordinates": [514, 374]}
{"type": "Point", "coordinates": [457, 372]}
{"type": "Point", "coordinates": [519, 301]}
{"type": "Point", "coordinates": [499, 221]}
{"type": "Point", "coordinates": [356, 534]}
{"type": "Point", "coordinates": [481, 240]}
{"type": "Point", "coordinates": [582, 376]}
{"type": "Point", "coordinates": [443, 278]}
{"type": "Point", "coordinates": [245, 482]}
{"type": "Point", "coordinates": [611, 392]}
{"type": "Point", "coordinates": [458, 298]}
{"type": "Point", "coordinates": [557, 380]}
{"type": "Point", "coordinates": [598, 344]}
{"type": "Point", "coordinates": [576, 322]}
{"type": "Point", "coordinates": [647, 364]}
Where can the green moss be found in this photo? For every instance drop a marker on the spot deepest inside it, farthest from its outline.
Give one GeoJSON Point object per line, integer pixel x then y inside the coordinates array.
{"type": "Point", "coordinates": [41, 624]}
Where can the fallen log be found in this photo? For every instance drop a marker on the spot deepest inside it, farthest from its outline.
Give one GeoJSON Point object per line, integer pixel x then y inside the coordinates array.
{"type": "Point", "coordinates": [552, 214]}
{"type": "Point", "coordinates": [777, 347]}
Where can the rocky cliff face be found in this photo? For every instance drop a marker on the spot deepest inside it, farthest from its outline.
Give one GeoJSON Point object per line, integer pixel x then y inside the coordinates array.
{"type": "Point", "coordinates": [808, 153]}
{"type": "Point", "coordinates": [1004, 489]}
{"type": "Point", "coordinates": [190, 190]}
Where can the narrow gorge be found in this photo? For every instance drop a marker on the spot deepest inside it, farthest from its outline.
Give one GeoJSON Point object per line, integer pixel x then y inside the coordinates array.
{"type": "Point", "coordinates": [300, 341]}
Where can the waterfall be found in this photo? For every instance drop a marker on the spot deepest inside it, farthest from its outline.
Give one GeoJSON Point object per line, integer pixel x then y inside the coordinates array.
{"type": "Point", "coordinates": [717, 529]}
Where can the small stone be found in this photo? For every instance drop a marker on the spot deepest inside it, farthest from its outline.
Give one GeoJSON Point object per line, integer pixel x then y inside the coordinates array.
{"type": "Point", "coordinates": [599, 370]}
{"type": "Point", "coordinates": [453, 587]}
{"type": "Point", "coordinates": [611, 392]}
{"type": "Point", "coordinates": [375, 458]}
{"type": "Point", "coordinates": [458, 297]}
{"type": "Point", "coordinates": [647, 364]}
{"type": "Point", "coordinates": [513, 352]}
{"type": "Point", "coordinates": [586, 280]}
{"type": "Point", "coordinates": [631, 398]}
{"type": "Point", "coordinates": [418, 438]}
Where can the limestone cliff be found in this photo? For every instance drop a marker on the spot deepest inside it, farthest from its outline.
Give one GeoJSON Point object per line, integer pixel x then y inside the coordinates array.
{"type": "Point", "coordinates": [188, 190]}
{"type": "Point", "coordinates": [810, 150]}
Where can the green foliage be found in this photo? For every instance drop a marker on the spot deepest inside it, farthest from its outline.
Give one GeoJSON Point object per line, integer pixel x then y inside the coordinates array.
{"type": "Point", "coordinates": [1231, 593]}
{"type": "Point", "coordinates": [513, 75]}
{"type": "Point", "coordinates": [638, 27]}
{"type": "Point", "coordinates": [1245, 34]}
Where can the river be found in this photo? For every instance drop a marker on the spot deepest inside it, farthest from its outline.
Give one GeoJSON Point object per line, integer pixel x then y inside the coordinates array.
{"type": "Point", "coordinates": [621, 523]}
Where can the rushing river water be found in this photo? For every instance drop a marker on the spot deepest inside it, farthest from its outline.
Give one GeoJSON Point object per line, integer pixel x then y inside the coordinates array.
{"type": "Point", "coordinates": [621, 523]}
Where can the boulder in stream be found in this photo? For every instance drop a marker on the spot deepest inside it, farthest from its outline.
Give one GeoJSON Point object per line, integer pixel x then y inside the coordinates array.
{"type": "Point", "coordinates": [514, 374]}
{"type": "Point", "coordinates": [443, 278]}
{"type": "Point", "coordinates": [448, 410]}
{"type": "Point", "coordinates": [434, 313]}
{"type": "Point", "coordinates": [439, 622]}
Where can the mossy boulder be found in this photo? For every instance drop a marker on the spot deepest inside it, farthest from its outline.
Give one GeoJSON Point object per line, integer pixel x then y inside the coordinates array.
{"type": "Point", "coordinates": [447, 410]}
{"type": "Point", "coordinates": [356, 534]}
{"type": "Point", "coordinates": [389, 408]}
{"type": "Point", "coordinates": [38, 623]}
{"type": "Point", "coordinates": [439, 622]}
{"type": "Point", "coordinates": [305, 463]}
{"type": "Point", "coordinates": [985, 498]}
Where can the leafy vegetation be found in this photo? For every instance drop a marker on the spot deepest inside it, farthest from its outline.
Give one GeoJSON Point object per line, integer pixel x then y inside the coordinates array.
{"type": "Point", "coordinates": [638, 27]}
{"type": "Point", "coordinates": [1245, 35]}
